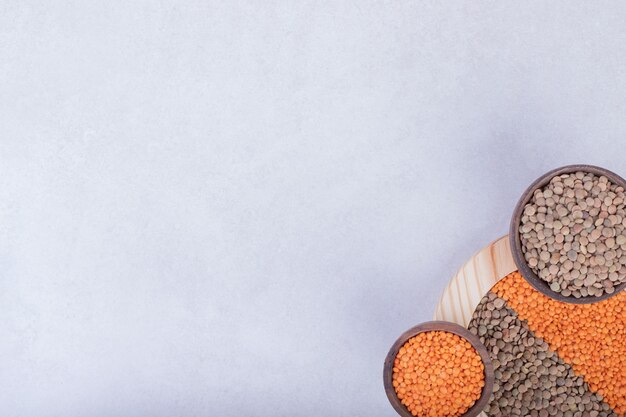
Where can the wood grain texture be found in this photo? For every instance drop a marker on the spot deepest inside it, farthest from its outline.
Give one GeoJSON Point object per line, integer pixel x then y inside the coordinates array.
{"type": "Point", "coordinates": [473, 281]}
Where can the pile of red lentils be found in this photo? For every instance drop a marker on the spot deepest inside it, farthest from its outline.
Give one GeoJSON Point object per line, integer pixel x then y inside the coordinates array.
{"type": "Point", "coordinates": [438, 374]}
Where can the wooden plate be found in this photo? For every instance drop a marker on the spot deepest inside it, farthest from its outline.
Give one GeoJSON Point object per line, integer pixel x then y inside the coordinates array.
{"type": "Point", "coordinates": [476, 278]}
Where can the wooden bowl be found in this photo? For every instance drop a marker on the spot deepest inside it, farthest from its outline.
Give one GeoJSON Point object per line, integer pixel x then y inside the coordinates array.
{"type": "Point", "coordinates": [516, 244]}
{"type": "Point", "coordinates": [444, 326]}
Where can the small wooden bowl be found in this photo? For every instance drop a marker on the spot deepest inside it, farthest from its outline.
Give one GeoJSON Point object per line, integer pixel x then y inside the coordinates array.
{"type": "Point", "coordinates": [444, 326]}
{"type": "Point", "coordinates": [516, 244]}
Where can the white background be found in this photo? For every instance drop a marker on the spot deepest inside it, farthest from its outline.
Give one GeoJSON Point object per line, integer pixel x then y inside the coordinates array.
{"type": "Point", "coordinates": [227, 208]}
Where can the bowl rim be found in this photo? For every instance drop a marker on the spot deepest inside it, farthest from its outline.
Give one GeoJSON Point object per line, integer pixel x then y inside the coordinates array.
{"type": "Point", "coordinates": [444, 326]}
{"type": "Point", "coordinates": [516, 244]}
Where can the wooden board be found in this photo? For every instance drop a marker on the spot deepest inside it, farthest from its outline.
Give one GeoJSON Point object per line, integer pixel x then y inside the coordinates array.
{"type": "Point", "coordinates": [473, 281]}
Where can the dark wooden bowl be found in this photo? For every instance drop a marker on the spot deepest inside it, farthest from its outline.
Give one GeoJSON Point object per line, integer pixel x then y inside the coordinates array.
{"type": "Point", "coordinates": [444, 326]}
{"type": "Point", "coordinates": [516, 244]}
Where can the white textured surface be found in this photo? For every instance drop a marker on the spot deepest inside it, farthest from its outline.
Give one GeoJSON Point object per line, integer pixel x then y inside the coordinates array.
{"type": "Point", "coordinates": [233, 208]}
